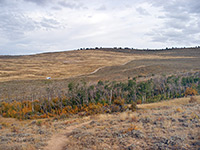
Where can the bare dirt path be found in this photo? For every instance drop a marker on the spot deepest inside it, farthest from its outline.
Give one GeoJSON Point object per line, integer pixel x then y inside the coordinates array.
{"type": "Point", "coordinates": [108, 66]}
{"type": "Point", "coordinates": [58, 141]}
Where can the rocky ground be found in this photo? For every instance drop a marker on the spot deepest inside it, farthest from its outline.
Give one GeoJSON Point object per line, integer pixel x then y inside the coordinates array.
{"type": "Point", "coordinates": [165, 127]}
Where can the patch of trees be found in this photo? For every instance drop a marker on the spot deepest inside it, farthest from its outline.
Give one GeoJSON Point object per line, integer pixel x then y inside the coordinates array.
{"type": "Point", "coordinates": [147, 49]}
{"type": "Point", "coordinates": [103, 97]}
{"type": "Point", "coordinates": [152, 90]}
{"type": "Point", "coordinates": [61, 108]}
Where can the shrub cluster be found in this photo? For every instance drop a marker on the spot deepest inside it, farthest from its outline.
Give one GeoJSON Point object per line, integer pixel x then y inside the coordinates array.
{"type": "Point", "coordinates": [45, 109]}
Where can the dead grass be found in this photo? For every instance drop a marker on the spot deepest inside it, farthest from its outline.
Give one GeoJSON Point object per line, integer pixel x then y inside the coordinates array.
{"type": "Point", "coordinates": [65, 64]}
{"type": "Point", "coordinates": [174, 102]}
{"type": "Point", "coordinates": [58, 65]}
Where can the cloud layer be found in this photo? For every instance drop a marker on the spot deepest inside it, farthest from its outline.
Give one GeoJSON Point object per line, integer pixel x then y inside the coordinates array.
{"type": "Point", "coordinates": [34, 26]}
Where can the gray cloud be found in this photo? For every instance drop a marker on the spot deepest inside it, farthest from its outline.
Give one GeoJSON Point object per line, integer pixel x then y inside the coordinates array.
{"type": "Point", "coordinates": [49, 23]}
{"type": "Point", "coordinates": [39, 2]}
{"type": "Point", "coordinates": [102, 8]}
{"type": "Point", "coordinates": [2, 1]}
{"type": "Point", "coordinates": [181, 22]}
{"type": "Point", "coordinates": [56, 8]}
{"type": "Point", "coordinates": [27, 26]}
{"type": "Point", "coordinates": [3, 4]}
{"type": "Point", "coordinates": [194, 7]}
{"type": "Point", "coordinates": [178, 6]}
{"type": "Point", "coordinates": [71, 5]}
{"type": "Point", "coordinates": [13, 26]}
{"type": "Point", "coordinates": [142, 11]}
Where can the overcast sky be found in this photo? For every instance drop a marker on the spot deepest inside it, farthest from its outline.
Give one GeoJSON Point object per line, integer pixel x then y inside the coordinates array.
{"type": "Point", "coordinates": [35, 26]}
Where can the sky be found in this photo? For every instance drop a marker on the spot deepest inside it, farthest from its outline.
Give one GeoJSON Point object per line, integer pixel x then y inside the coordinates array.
{"type": "Point", "coordinates": [36, 26]}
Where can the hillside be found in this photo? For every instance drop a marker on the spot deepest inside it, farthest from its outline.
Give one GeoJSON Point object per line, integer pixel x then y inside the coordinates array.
{"type": "Point", "coordinates": [61, 65]}
{"type": "Point", "coordinates": [21, 76]}
{"type": "Point", "coordinates": [96, 63]}
{"type": "Point", "coordinates": [172, 124]}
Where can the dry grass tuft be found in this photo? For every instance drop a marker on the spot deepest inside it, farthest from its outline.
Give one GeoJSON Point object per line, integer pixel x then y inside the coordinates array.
{"type": "Point", "coordinates": [192, 99]}
{"type": "Point", "coordinates": [123, 116]}
{"type": "Point", "coordinates": [134, 119]}
{"type": "Point", "coordinates": [102, 117]}
{"type": "Point", "coordinates": [179, 110]}
{"type": "Point", "coordinates": [15, 129]}
{"type": "Point", "coordinates": [131, 128]}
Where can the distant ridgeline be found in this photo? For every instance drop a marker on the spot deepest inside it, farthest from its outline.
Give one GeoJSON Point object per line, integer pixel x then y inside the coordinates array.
{"type": "Point", "coordinates": [104, 97]}
{"type": "Point", "coordinates": [147, 49]}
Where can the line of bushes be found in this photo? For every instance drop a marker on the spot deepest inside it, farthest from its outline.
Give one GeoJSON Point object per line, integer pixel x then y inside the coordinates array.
{"type": "Point", "coordinates": [104, 97]}
{"type": "Point", "coordinates": [45, 109]}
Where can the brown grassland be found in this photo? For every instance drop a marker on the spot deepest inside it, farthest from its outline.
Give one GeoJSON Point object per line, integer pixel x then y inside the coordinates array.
{"type": "Point", "coordinates": [63, 65]}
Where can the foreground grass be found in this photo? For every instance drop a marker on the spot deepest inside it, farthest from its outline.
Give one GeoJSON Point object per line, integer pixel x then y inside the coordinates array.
{"type": "Point", "coordinates": [161, 126]}
{"type": "Point", "coordinates": [172, 124]}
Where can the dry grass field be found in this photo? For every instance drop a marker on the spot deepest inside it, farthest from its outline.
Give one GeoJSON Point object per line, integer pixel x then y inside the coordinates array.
{"type": "Point", "coordinates": [61, 65]}
{"type": "Point", "coordinates": [172, 124]}
{"type": "Point", "coordinates": [164, 62]}
{"type": "Point", "coordinates": [95, 63]}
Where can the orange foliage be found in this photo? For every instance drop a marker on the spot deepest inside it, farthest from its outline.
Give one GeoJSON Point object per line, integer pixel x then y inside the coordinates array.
{"type": "Point", "coordinates": [139, 101]}
{"type": "Point", "coordinates": [44, 109]}
{"type": "Point", "coordinates": [190, 91]}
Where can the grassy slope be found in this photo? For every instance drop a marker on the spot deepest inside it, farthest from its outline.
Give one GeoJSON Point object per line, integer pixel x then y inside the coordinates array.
{"type": "Point", "coordinates": [60, 65]}
{"type": "Point", "coordinates": [163, 62]}
{"type": "Point", "coordinates": [84, 63]}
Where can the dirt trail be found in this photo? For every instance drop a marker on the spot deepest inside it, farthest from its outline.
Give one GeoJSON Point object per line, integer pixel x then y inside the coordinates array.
{"type": "Point", "coordinates": [108, 66]}
{"type": "Point", "coordinates": [58, 141]}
